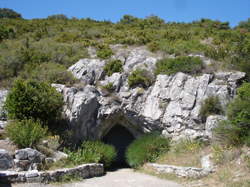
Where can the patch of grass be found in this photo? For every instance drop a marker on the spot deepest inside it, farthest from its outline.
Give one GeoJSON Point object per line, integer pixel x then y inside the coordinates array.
{"type": "Point", "coordinates": [25, 133]}
{"type": "Point", "coordinates": [182, 150]}
{"type": "Point", "coordinates": [191, 65]}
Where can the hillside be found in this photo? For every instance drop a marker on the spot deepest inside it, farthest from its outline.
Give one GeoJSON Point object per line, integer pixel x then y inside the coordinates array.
{"type": "Point", "coordinates": [170, 99]}
{"type": "Point", "coordinates": [50, 46]}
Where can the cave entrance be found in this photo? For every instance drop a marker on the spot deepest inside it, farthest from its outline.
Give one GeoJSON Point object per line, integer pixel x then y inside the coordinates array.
{"type": "Point", "coordinates": [120, 138]}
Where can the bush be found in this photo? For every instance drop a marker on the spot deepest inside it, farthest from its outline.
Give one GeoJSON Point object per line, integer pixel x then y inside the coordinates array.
{"type": "Point", "coordinates": [192, 65]}
{"type": "Point", "coordinates": [104, 52]}
{"type": "Point", "coordinates": [25, 133]}
{"type": "Point", "coordinates": [113, 66]}
{"type": "Point", "coordinates": [33, 99]}
{"type": "Point", "coordinates": [93, 151]}
{"type": "Point", "coordinates": [140, 77]}
{"type": "Point", "coordinates": [236, 130]}
{"type": "Point", "coordinates": [147, 148]}
{"type": "Point", "coordinates": [210, 106]}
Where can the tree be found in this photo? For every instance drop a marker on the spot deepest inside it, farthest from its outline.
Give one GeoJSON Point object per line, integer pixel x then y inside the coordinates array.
{"type": "Point", "coordinates": [9, 13]}
{"type": "Point", "coordinates": [34, 100]}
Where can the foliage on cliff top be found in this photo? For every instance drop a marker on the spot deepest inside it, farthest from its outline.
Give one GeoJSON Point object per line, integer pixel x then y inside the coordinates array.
{"type": "Point", "coordinates": [64, 41]}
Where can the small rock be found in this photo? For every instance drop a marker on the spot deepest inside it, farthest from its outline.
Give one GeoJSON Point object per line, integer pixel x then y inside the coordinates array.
{"type": "Point", "coordinates": [22, 165]}
{"type": "Point", "coordinates": [58, 155]}
{"type": "Point", "coordinates": [206, 162]}
{"type": "Point", "coordinates": [49, 160]}
{"type": "Point", "coordinates": [6, 161]}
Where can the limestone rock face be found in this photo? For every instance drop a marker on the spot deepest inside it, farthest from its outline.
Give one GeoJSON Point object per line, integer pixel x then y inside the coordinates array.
{"type": "Point", "coordinates": [170, 105]}
{"type": "Point", "coordinates": [6, 161]}
{"type": "Point", "coordinates": [3, 95]}
{"type": "Point", "coordinates": [88, 70]}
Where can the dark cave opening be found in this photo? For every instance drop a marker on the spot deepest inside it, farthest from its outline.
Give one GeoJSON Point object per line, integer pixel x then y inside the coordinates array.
{"type": "Point", "coordinates": [120, 138]}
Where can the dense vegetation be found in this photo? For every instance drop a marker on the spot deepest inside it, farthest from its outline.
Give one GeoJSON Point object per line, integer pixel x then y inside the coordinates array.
{"type": "Point", "coordinates": [236, 130]}
{"type": "Point", "coordinates": [27, 44]}
{"type": "Point", "coordinates": [31, 99]}
{"type": "Point", "coordinates": [89, 152]}
{"type": "Point", "coordinates": [147, 148]}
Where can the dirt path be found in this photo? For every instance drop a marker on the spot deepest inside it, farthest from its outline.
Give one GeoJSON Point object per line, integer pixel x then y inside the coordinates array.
{"type": "Point", "coordinates": [119, 178]}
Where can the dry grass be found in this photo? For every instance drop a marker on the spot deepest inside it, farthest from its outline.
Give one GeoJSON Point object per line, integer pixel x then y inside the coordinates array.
{"type": "Point", "coordinates": [232, 165]}
{"type": "Point", "coordinates": [186, 153]}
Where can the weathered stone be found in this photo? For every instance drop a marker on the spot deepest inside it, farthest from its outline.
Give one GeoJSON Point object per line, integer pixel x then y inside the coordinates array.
{"type": "Point", "coordinates": [115, 79]}
{"type": "Point", "coordinates": [58, 155]}
{"type": "Point", "coordinates": [171, 105]}
{"type": "Point", "coordinates": [22, 165]}
{"type": "Point", "coordinates": [189, 172]}
{"type": "Point", "coordinates": [34, 176]}
{"type": "Point", "coordinates": [88, 70]}
{"type": "Point", "coordinates": [32, 155]}
{"type": "Point", "coordinates": [211, 123]}
{"type": "Point", "coordinates": [3, 95]}
{"type": "Point", "coordinates": [49, 160]}
{"type": "Point", "coordinates": [206, 162]}
{"type": "Point", "coordinates": [6, 161]}
{"type": "Point", "coordinates": [3, 124]}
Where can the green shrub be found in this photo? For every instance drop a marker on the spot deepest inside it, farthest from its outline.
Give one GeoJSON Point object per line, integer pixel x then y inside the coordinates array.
{"type": "Point", "coordinates": [93, 151]}
{"type": "Point", "coordinates": [26, 133]}
{"type": "Point", "coordinates": [33, 99]}
{"type": "Point", "coordinates": [236, 130]}
{"type": "Point", "coordinates": [113, 66]}
{"type": "Point", "coordinates": [104, 52]}
{"type": "Point", "coordinates": [140, 77]}
{"type": "Point", "coordinates": [147, 148]}
{"type": "Point", "coordinates": [170, 66]}
{"type": "Point", "coordinates": [210, 106]}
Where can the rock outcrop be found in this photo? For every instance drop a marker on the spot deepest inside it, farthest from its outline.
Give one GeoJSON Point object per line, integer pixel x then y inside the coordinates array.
{"type": "Point", "coordinates": [171, 105]}
{"type": "Point", "coordinates": [3, 95]}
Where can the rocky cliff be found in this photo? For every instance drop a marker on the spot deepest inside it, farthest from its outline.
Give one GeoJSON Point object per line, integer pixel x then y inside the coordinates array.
{"type": "Point", "coordinates": [171, 105]}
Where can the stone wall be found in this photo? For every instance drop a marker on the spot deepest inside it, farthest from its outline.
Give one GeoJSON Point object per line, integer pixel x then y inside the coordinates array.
{"type": "Point", "coordinates": [83, 171]}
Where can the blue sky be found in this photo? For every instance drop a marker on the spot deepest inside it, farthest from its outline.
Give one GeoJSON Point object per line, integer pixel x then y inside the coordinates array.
{"type": "Point", "coordinates": [170, 10]}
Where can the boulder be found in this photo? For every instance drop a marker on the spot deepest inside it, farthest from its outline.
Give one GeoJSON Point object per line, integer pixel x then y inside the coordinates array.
{"type": "Point", "coordinates": [6, 161]}
{"type": "Point", "coordinates": [211, 123]}
{"type": "Point", "coordinates": [32, 155]}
